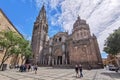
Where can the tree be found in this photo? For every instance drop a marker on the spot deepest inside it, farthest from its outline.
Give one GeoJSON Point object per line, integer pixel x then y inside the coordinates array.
{"type": "Point", "coordinates": [112, 44]}
{"type": "Point", "coordinates": [25, 49]}
{"type": "Point", "coordinates": [9, 40]}
{"type": "Point", "coordinates": [14, 44]}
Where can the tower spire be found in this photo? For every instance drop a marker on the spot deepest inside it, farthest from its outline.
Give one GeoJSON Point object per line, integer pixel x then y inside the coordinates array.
{"type": "Point", "coordinates": [42, 14]}
{"type": "Point", "coordinates": [39, 37]}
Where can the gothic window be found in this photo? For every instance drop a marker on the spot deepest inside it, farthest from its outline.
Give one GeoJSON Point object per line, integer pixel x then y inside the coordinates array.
{"type": "Point", "coordinates": [60, 39]}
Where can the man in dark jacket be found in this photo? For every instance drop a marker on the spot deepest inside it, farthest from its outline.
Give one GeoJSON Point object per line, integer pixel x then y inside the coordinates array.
{"type": "Point", "coordinates": [76, 70]}
{"type": "Point", "coordinates": [80, 69]}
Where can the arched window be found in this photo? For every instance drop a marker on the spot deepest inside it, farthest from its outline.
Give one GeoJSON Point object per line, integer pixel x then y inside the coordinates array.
{"type": "Point", "coordinates": [60, 39]}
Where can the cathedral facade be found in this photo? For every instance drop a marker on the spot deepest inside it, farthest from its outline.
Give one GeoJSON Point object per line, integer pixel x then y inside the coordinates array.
{"type": "Point", "coordinates": [63, 49]}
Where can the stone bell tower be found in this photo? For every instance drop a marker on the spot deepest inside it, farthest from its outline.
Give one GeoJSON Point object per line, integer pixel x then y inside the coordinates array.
{"type": "Point", "coordinates": [40, 32]}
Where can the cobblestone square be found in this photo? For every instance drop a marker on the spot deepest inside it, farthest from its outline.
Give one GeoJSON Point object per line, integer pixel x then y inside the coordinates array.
{"type": "Point", "coordinates": [48, 73]}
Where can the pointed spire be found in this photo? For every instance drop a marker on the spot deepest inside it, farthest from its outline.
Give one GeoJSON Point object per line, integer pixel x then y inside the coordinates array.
{"type": "Point", "coordinates": [42, 14]}
{"type": "Point", "coordinates": [43, 8]}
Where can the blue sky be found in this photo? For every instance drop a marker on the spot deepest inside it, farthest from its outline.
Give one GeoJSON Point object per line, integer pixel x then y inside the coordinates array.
{"type": "Point", "coordinates": [21, 14]}
{"type": "Point", "coordinates": [103, 16]}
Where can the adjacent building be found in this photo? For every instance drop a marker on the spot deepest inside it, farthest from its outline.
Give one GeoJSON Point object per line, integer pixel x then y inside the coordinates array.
{"type": "Point", "coordinates": [63, 49]}
{"type": "Point", "coordinates": [6, 24]}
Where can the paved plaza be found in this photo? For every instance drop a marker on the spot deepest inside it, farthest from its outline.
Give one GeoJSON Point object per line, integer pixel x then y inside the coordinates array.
{"type": "Point", "coordinates": [48, 73]}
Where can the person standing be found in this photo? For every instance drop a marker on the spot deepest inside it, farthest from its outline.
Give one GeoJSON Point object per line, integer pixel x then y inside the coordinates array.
{"type": "Point", "coordinates": [76, 70]}
{"type": "Point", "coordinates": [80, 69]}
{"type": "Point", "coordinates": [29, 67]}
{"type": "Point", "coordinates": [35, 68]}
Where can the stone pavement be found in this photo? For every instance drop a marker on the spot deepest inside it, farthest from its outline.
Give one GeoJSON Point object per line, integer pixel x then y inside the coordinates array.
{"type": "Point", "coordinates": [48, 73]}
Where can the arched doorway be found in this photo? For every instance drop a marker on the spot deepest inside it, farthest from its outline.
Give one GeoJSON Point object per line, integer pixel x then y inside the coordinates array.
{"type": "Point", "coordinates": [58, 55]}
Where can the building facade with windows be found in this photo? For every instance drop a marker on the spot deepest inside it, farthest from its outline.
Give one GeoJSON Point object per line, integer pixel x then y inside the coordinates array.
{"type": "Point", "coordinates": [63, 49]}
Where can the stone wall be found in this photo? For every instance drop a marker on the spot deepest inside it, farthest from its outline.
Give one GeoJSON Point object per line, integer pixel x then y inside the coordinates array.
{"type": "Point", "coordinates": [6, 24]}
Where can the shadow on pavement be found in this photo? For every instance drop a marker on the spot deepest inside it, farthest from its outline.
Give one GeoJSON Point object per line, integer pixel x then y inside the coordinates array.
{"type": "Point", "coordinates": [75, 77]}
{"type": "Point", "coordinates": [112, 74]}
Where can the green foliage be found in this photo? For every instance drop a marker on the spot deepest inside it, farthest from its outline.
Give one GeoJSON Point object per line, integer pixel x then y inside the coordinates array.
{"type": "Point", "coordinates": [25, 48]}
{"type": "Point", "coordinates": [112, 44]}
{"type": "Point", "coordinates": [9, 40]}
{"type": "Point", "coordinates": [14, 44]}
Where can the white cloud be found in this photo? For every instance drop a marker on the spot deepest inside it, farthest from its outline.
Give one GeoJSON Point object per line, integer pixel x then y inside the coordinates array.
{"type": "Point", "coordinates": [103, 16]}
{"type": "Point", "coordinates": [54, 3]}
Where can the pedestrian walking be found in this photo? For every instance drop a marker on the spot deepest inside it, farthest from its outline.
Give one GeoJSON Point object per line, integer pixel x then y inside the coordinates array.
{"type": "Point", "coordinates": [76, 70]}
{"type": "Point", "coordinates": [35, 68]}
{"type": "Point", "coordinates": [32, 67]}
{"type": "Point", "coordinates": [29, 67]}
{"type": "Point", "coordinates": [80, 69]}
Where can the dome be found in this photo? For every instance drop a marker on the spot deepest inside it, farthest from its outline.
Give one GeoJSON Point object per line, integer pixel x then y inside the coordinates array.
{"type": "Point", "coordinates": [80, 24]}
